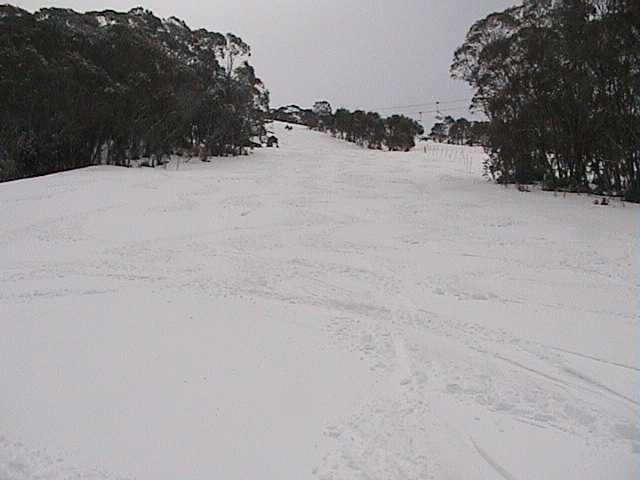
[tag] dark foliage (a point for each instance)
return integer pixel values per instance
(559, 81)
(459, 132)
(367, 129)
(108, 87)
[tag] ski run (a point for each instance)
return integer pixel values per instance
(315, 311)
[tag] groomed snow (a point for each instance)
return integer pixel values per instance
(315, 311)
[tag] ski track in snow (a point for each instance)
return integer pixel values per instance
(315, 311)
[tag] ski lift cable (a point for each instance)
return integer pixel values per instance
(426, 104)
(438, 111)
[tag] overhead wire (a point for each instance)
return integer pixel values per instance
(425, 104)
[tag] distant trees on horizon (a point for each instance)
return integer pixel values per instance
(108, 87)
(460, 131)
(367, 129)
(559, 82)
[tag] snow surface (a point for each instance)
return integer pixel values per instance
(103, 22)
(315, 311)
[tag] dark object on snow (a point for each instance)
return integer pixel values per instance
(604, 202)
(272, 141)
(288, 127)
(523, 188)
(203, 153)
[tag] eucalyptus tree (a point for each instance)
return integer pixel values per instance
(559, 81)
(79, 89)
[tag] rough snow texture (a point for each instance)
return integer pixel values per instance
(315, 311)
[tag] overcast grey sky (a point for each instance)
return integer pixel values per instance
(355, 53)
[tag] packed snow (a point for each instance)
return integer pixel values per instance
(317, 311)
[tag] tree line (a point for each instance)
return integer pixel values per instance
(108, 87)
(367, 129)
(559, 81)
(459, 131)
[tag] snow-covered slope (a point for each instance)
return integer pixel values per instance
(315, 311)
